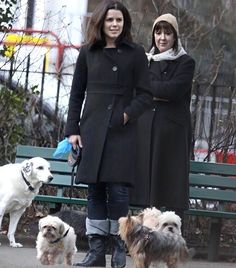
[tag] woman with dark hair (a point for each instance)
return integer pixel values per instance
(165, 130)
(112, 72)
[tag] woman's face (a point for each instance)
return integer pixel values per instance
(164, 39)
(113, 25)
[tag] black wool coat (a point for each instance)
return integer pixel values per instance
(108, 82)
(164, 135)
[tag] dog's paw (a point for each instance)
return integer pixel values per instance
(16, 245)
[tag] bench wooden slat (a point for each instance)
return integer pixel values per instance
(211, 213)
(212, 180)
(63, 180)
(32, 151)
(56, 166)
(213, 168)
(212, 194)
(61, 199)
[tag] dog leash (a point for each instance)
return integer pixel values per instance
(73, 161)
(72, 182)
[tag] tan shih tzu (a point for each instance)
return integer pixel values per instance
(56, 241)
(149, 217)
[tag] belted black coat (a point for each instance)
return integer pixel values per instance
(108, 82)
(164, 134)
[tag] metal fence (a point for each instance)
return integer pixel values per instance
(213, 118)
(37, 60)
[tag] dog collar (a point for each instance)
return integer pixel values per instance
(31, 188)
(60, 238)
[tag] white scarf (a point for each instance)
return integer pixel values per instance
(169, 54)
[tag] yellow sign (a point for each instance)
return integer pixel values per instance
(16, 40)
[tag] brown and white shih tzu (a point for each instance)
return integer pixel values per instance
(148, 247)
(56, 241)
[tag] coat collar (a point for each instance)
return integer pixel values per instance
(121, 43)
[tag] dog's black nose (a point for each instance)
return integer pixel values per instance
(171, 229)
(50, 178)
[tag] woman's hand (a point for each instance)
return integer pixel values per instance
(126, 118)
(75, 140)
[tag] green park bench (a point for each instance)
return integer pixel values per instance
(209, 182)
(212, 182)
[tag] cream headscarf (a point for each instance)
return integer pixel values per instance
(170, 54)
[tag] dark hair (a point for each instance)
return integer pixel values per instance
(95, 27)
(164, 25)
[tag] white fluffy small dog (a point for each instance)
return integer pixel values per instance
(56, 241)
(19, 184)
(168, 221)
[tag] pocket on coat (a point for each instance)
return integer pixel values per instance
(117, 119)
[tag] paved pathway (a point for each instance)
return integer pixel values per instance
(26, 258)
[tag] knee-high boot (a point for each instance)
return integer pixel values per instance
(118, 258)
(97, 231)
(96, 254)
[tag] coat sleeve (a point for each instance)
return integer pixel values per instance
(77, 94)
(143, 97)
(179, 85)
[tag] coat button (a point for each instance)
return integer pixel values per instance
(109, 107)
(165, 72)
(119, 50)
(114, 68)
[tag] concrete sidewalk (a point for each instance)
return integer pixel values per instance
(26, 258)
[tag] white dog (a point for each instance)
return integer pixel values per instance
(19, 184)
(55, 242)
(170, 222)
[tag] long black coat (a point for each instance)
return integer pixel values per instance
(165, 136)
(115, 81)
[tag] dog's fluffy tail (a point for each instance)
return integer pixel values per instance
(186, 253)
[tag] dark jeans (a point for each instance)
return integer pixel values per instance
(107, 201)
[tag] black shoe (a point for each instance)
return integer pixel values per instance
(118, 258)
(96, 254)
(92, 260)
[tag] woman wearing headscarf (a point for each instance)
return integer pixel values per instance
(165, 130)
